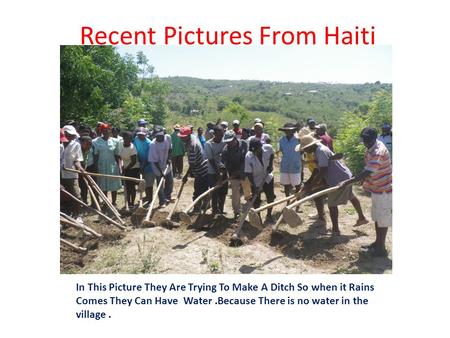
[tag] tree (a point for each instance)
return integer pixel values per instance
(93, 80)
(154, 98)
(348, 140)
(236, 111)
(144, 67)
(221, 104)
(98, 84)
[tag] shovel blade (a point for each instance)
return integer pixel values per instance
(291, 217)
(254, 218)
(138, 216)
(185, 218)
(141, 187)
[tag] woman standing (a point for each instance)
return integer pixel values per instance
(106, 160)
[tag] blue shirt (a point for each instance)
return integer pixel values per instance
(202, 140)
(387, 140)
(291, 161)
(143, 148)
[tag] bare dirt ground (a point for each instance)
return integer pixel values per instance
(204, 247)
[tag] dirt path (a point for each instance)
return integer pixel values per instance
(204, 248)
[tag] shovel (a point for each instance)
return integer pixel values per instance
(147, 223)
(104, 198)
(185, 218)
(292, 218)
(235, 240)
(126, 178)
(253, 214)
(73, 246)
(91, 193)
(166, 221)
(140, 212)
(120, 226)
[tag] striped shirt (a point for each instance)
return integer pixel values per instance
(378, 161)
(196, 158)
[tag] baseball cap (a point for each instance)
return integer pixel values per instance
(142, 122)
(229, 136)
(369, 133)
(258, 124)
(70, 130)
(236, 122)
(184, 132)
(142, 131)
(224, 124)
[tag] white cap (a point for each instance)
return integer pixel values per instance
(70, 130)
(236, 122)
(224, 123)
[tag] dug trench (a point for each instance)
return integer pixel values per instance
(204, 246)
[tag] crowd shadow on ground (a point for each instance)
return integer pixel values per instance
(311, 244)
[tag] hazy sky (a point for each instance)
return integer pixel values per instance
(293, 63)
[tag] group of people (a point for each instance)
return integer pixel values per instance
(241, 159)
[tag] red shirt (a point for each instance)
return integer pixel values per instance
(327, 140)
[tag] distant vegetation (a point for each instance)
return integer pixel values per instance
(293, 101)
(97, 84)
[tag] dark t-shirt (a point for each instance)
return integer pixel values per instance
(234, 159)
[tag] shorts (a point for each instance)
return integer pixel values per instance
(341, 196)
(382, 209)
(149, 179)
(293, 179)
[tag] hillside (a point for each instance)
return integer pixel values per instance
(201, 99)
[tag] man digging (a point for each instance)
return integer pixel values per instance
(233, 156)
(258, 168)
(334, 172)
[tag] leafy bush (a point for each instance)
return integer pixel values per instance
(379, 111)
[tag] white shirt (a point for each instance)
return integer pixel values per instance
(72, 153)
(254, 166)
(126, 153)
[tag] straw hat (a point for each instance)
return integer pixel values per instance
(306, 141)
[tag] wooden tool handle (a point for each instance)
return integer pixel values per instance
(176, 202)
(285, 199)
(313, 196)
(79, 226)
(93, 209)
(150, 208)
(105, 199)
(91, 192)
(72, 246)
(207, 192)
(126, 178)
